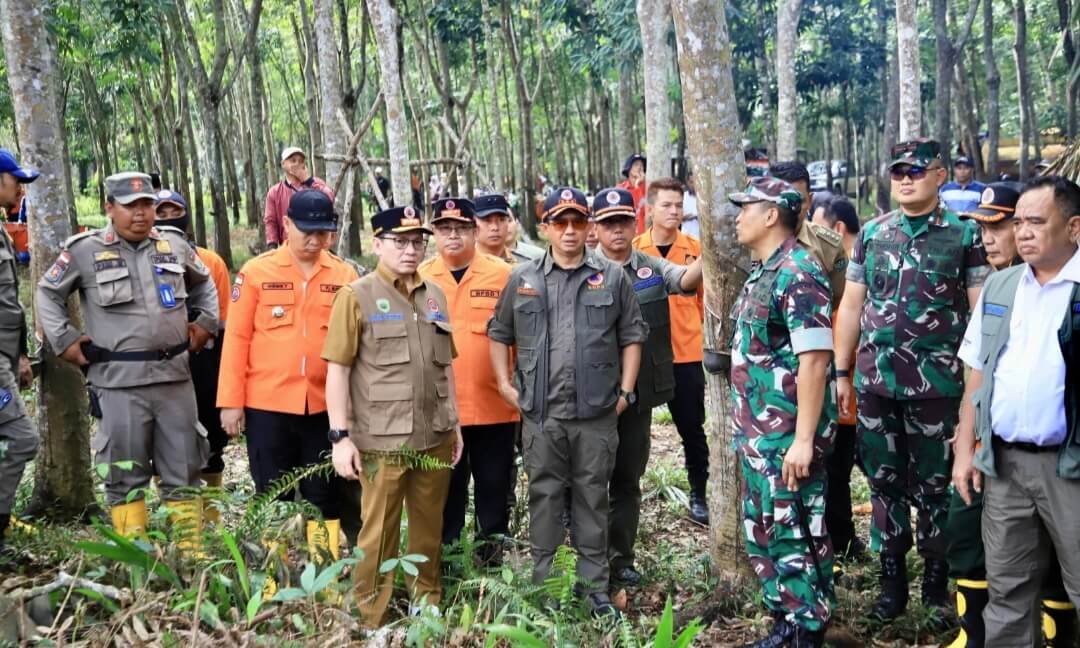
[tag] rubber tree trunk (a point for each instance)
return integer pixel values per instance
(891, 96)
(787, 105)
(625, 144)
(993, 93)
(907, 57)
(333, 135)
(385, 22)
(497, 158)
(654, 18)
(1023, 83)
(62, 486)
(714, 137)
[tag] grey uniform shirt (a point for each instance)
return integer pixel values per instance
(12, 317)
(562, 285)
(124, 289)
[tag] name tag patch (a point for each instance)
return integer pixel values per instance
(163, 258)
(111, 263)
(484, 293)
(329, 288)
(277, 285)
(386, 317)
(996, 310)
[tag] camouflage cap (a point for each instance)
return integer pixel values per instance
(920, 152)
(768, 189)
(125, 188)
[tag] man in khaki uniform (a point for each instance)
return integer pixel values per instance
(389, 388)
(135, 284)
(17, 431)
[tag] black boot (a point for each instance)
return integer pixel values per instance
(1059, 624)
(5, 520)
(893, 598)
(935, 585)
(808, 638)
(782, 632)
(699, 509)
(971, 598)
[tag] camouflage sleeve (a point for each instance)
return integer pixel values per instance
(806, 305)
(856, 265)
(972, 344)
(500, 327)
(976, 267)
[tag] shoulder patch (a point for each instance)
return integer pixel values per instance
(56, 272)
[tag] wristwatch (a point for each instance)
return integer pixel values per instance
(843, 373)
(631, 397)
(336, 435)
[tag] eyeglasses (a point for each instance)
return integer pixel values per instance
(457, 230)
(914, 172)
(417, 244)
(560, 224)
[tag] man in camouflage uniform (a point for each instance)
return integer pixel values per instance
(913, 275)
(784, 413)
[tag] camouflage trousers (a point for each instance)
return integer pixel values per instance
(779, 551)
(904, 449)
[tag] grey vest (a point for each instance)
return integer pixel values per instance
(656, 377)
(998, 296)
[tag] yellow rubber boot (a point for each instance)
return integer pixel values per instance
(1059, 624)
(211, 513)
(270, 586)
(971, 597)
(324, 537)
(186, 517)
(129, 520)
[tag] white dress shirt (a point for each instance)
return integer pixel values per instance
(1028, 403)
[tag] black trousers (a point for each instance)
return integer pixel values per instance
(688, 412)
(838, 492)
(205, 366)
(278, 443)
(487, 458)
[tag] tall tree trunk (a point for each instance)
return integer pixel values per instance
(259, 159)
(764, 68)
(943, 80)
(1023, 83)
(714, 136)
(1069, 30)
(993, 89)
(228, 160)
(787, 34)
(199, 217)
(333, 134)
(891, 95)
(385, 22)
(625, 144)
(62, 485)
(907, 57)
(655, 20)
(311, 91)
(497, 158)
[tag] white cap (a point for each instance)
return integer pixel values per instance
(291, 151)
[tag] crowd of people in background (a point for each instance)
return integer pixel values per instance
(848, 343)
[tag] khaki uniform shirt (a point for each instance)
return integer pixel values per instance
(125, 291)
(12, 317)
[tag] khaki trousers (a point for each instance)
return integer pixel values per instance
(382, 495)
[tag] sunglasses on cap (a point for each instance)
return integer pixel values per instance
(916, 173)
(560, 223)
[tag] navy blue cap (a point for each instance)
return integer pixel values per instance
(168, 196)
(491, 204)
(563, 199)
(997, 202)
(612, 202)
(312, 211)
(8, 164)
(630, 162)
(397, 220)
(459, 209)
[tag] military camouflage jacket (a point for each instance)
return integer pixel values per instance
(784, 309)
(916, 272)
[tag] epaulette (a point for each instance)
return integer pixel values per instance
(172, 229)
(824, 233)
(78, 237)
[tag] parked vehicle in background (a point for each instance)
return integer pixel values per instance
(841, 183)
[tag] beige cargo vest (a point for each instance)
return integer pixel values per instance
(399, 387)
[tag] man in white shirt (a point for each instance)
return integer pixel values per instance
(1024, 337)
(690, 224)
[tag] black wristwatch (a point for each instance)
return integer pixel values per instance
(631, 397)
(843, 373)
(337, 435)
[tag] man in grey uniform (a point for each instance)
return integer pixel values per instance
(578, 331)
(653, 279)
(17, 431)
(135, 284)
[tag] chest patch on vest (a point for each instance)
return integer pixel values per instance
(386, 317)
(329, 288)
(997, 310)
(648, 283)
(596, 280)
(277, 285)
(485, 293)
(644, 273)
(527, 290)
(1076, 307)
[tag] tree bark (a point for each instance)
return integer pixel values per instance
(62, 485)
(497, 158)
(1023, 83)
(331, 98)
(655, 20)
(625, 145)
(891, 95)
(907, 57)
(311, 91)
(765, 69)
(948, 53)
(385, 22)
(526, 98)
(993, 90)
(787, 33)
(714, 136)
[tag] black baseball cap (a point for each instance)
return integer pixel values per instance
(565, 199)
(962, 160)
(312, 211)
(492, 204)
(459, 209)
(613, 202)
(630, 162)
(398, 220)
(998, 202)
